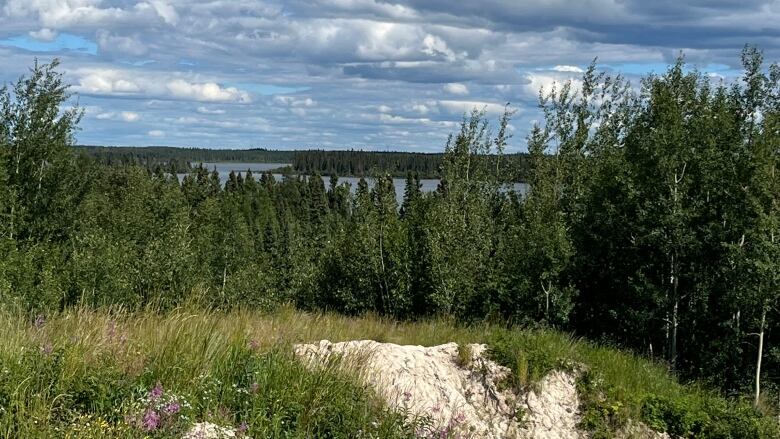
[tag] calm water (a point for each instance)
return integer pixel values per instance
(224, 169)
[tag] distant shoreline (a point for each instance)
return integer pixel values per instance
(346, 163)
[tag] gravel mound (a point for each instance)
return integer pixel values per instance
(458, 395)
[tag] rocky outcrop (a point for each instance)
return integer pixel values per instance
(457, 393)
(207, 430)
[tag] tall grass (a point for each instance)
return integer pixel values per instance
(113, 374)
(95, 373)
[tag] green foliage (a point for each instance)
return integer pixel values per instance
(602, 405)
(464, 355)
(98, 380)
(712, 418)
(651, 221)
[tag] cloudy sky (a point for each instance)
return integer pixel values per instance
(376, 74)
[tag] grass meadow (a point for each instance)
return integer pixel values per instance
(110, 373)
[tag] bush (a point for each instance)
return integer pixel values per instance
(711, 418)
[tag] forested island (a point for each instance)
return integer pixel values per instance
(348, 163)
(652, 224)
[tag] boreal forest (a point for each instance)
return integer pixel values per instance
(652, 223)
(350, 163)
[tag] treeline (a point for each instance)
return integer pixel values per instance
(396, 164)
(351, 163)
(364, 163)
(180, 159)
(653, 221)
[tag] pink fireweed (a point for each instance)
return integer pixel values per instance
(156, 392)
(150, 421)
(172, 408)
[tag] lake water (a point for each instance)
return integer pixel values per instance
(224, 169)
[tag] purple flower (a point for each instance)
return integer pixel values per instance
(407, 396)
(242, 428)
(253, 344)
(254, 387)
(40, 320)
(156, 392)
(172, 408)
(150, 421)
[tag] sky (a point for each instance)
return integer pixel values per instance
(363, 74)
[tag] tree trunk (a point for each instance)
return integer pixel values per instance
(547, 300)
(383, 281)
(673, 322)
(673, 348)
(760, 354)
(224, 281)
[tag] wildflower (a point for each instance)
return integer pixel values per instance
(242, 428)
(150, 421)
(407, 396)
(172, 408)
(253, 344)
(156, 392)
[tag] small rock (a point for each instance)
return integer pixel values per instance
(207, 430)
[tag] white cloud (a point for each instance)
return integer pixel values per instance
(106, 81)
(421, 64)
(461, 107)
(419, 108)
(156, 133)
(129, 116)
(122, 83)
(569, 69)
(456, 89)
(165, 11)
(295, 101)
(435, 46)
(546, 82)
(205, 110)
(109, 42)
(206, 92)
(61, 14)
(44, 34)
(125, 116)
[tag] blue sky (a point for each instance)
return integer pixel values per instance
(372, 74)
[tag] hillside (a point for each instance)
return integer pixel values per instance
(111, 374)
